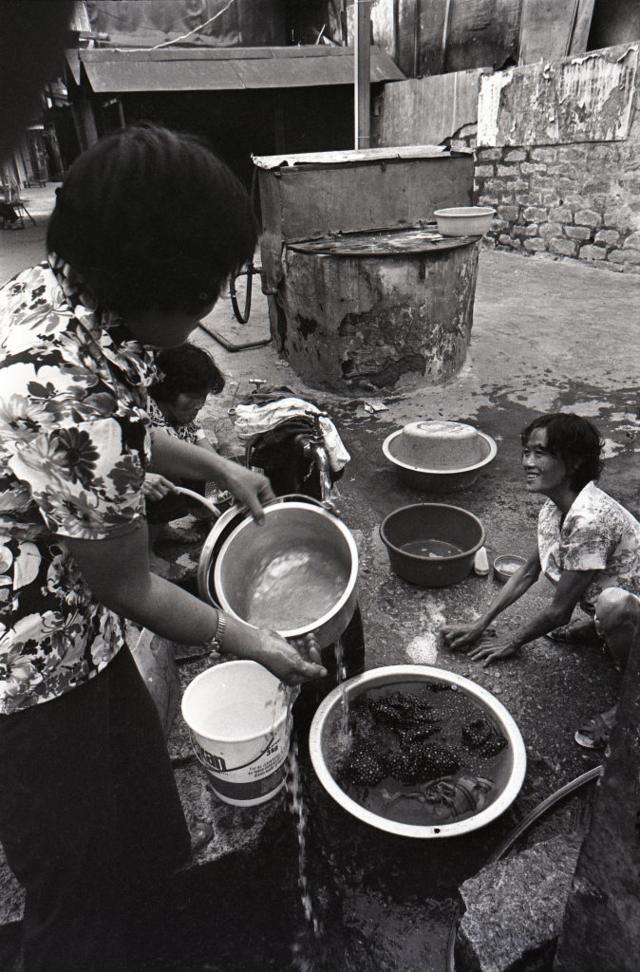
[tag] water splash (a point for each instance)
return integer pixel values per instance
(341, 674)
(298, 810)
(423, 648)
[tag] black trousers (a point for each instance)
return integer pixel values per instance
(90, 819)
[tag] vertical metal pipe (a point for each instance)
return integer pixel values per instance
(362, 74)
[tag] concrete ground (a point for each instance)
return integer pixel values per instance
(547, 336)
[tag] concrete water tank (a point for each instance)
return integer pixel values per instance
(378, 310)
(361, 287)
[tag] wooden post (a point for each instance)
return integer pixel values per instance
(121, 118)
(362, 72)
(601, 928)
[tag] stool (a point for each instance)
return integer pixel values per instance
(22, 211)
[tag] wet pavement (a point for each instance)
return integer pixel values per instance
(547, 336)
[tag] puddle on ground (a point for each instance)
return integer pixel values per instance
(423, 649)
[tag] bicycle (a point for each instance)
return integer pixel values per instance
(241, 301)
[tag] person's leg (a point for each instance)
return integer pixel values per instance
(56, 825)
(617, 621)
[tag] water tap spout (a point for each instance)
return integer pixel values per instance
(315, 453)
(321, 460)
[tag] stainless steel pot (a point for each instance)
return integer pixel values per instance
(236, 547)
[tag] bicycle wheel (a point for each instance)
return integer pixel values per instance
(240, 290)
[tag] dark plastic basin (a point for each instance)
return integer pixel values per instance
(432, 521)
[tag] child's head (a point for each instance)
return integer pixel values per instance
(189, 374)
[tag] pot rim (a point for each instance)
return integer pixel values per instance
(210, 550)
(493, 450)
(432, 560)
(394, 673)
(317, 511)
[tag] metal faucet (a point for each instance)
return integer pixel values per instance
(313, 448)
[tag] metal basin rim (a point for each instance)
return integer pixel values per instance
(377, 676)
(493, 449)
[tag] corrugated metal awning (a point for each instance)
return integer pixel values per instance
(231, 69)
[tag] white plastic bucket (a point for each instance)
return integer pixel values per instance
(237, 714)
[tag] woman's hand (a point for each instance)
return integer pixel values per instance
(155, 486)
(250, 489)
(291, 663)
(178, 459)
(286, 661)
(488, 654)
(457, 637)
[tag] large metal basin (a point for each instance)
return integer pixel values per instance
(327, 720)
(249, 549)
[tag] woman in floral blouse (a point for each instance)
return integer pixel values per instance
(588, 547)
(146, 230)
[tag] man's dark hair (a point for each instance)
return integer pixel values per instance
(573, 439)
(188, 370)
(152, 220)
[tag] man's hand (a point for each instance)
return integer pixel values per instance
(490, 653)
(250, 489)
(458, 637)
(155, 486)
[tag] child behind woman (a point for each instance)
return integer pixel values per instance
(188, 375)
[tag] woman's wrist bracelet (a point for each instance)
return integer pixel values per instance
(216, 643)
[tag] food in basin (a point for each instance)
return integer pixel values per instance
(422, 755)
(417, 751)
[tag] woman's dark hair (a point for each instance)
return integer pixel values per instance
(186, 370)
(573, 439)
(153, 221)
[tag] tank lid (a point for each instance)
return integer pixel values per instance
(424, 239)
(385, 154)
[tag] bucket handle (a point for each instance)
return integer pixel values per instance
(195, 746)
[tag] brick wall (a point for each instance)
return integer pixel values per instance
(580, 201)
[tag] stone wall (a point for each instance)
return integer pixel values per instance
(580, 200)
(559, 158)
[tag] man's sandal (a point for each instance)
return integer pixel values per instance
(580, 634)
(595, 733)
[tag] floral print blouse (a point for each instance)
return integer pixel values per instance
(597, 534)
(74, 444)
(191, 432)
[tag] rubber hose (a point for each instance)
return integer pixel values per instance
(537, 812)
